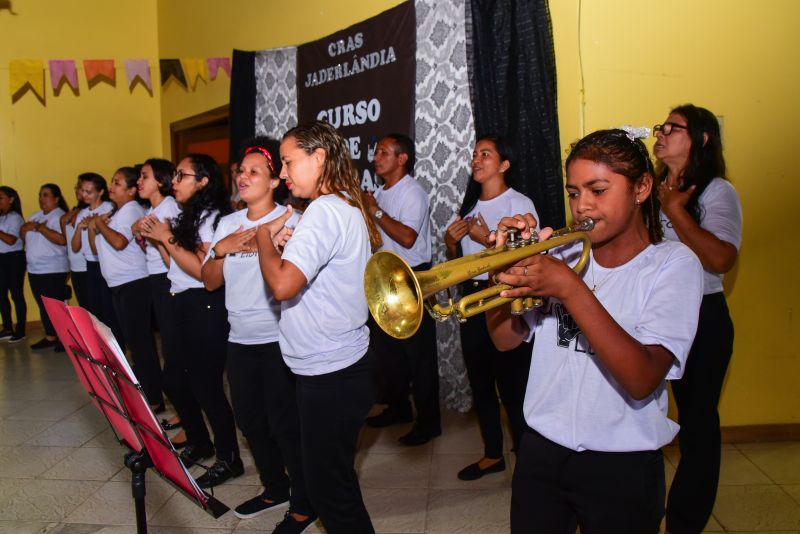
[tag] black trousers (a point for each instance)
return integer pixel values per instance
(556, 489)
(202, 331)
(491, 371)
(99, 301)
(410, 366)
(332, 409)
(132, 304)
(53, 285)
(694, 488)
(265, 405)
(80, 286)
(12, 280)
(173, 374)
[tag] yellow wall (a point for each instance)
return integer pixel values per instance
(99, 130)
(626, 61)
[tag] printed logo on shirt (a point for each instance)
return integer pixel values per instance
(569, 331)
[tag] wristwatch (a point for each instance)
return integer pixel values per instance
(378, 214)
(212, 254)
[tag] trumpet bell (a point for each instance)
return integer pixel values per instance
(393, 294)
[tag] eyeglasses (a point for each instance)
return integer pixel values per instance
(180, 175)
(667, 127)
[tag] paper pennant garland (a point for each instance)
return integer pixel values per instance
(24, 71)
(215, 63)
(63, 68)
(95, 68)
(172, 68)
(195, 68)
(138, 68)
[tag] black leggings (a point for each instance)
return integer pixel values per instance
(491, 371)
(694, 488)
(12, 280)
(53, 285)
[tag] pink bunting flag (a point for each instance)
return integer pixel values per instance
(63, 68)
(140, 68)
(215, 63)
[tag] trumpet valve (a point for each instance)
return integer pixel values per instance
(518, 306)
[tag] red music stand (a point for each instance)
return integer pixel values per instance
(104, 371)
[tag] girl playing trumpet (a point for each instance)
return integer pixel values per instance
(606, 341)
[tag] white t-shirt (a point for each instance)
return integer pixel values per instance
(181, 281)
(407, 202)
(42, 255)
(86, 247)
(10, 223)
(720, 214)
(168, 209)
(506, 204)
(129, 264)
(252, 311)
(323, 328)
(571, 398)
(77, 263)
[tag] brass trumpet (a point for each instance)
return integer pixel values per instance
(396, 295)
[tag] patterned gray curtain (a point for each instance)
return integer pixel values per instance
(444, 140)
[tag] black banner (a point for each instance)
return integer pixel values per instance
(361, 80)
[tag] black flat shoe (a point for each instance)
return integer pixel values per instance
(417, 437)
(474, 472)
(192, 454)
(166, 425)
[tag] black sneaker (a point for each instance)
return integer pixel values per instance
(221, 472)
(16, 338)
(258, 505)
(42, 344)
(194, 453)
(290, 525)
(6, 334)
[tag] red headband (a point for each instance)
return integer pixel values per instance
(264, 152)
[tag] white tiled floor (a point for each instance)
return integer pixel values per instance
(61, 471)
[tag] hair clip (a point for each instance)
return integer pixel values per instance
(633, 133)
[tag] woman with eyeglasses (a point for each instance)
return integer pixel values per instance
(700, 208)
(201, 318)
(94, 191)
(12, 265)
(123, 264)
(77, 263)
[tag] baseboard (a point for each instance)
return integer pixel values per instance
(761, 433)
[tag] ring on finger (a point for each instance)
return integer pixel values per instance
(525, 271)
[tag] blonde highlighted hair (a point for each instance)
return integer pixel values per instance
(339, 175)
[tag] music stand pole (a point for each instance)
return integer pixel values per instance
(138, 462)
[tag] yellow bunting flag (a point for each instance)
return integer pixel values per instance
(26, 71)
(195, 68)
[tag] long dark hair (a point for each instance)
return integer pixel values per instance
(473, 192)
(10, 192)
(706, 161)
(339, 175)
(98, 181)
(163, 171)
(211, 198)
(56, 191)
(615, 150)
